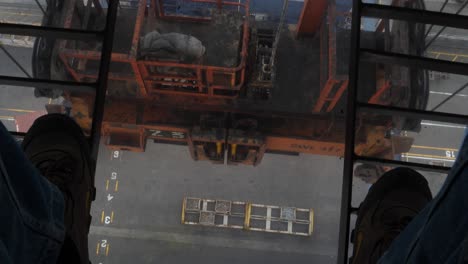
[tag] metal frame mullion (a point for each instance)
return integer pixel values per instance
(399, 163)
(104, 67)
(414, 15)
(98, 88)
(357, 54)
(346, 190)
(50, 32)
(17, 134)
(413, 113)
(88, 88)
(412, 61)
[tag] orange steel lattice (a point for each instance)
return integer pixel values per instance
(204, 80)
(210, 124)
(335, 84)
(311, 16)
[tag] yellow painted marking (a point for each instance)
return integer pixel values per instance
(219, 147)
(448, 54)
(116, 186)
(107, 250)
(233, 150)
(112, 216)
(456, 57)
(20, 14)
(182, 217)
(102, 217)
(97, 249)
(17, 110)
(427, 156)
(434, 148)
(248, 211)
(107, 185)
(438, 54)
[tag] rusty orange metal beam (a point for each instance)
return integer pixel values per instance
(143, 76)
(92, 55)
(304, 146)
(139, 79)
(138, 133)
(375, 98)
(338, 95)
(311, 16)
(324, 95)
(138, 24)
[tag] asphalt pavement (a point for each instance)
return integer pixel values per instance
(143, 215)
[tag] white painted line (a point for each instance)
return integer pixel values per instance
(7, 118)
(205, 205)
(442, 125)
(272, 245)
(225, 220)
(447, 36)
(290, 227)
(425, 158)
(268, 217)
(448, 94)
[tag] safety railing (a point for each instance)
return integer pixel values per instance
(333, 82)
(199, 79)
(157, 76)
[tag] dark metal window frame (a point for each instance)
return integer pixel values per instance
(399, 13)
(98, 88)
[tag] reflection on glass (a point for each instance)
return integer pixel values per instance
(365, 175)
(237, 101)
(444, 6)
(425, 141)
(20, 106)
(82, 14)
(24, 12)
(413, 88)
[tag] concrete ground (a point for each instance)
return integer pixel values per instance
(147, 207)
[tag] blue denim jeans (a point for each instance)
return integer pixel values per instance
(32, 226)
(439, 233)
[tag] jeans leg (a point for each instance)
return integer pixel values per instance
(32, 226)
(439, 232)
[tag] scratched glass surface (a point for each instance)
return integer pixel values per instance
(55, 13)
(229, 148)
(224, 144)
(434, 90)
(449, 7)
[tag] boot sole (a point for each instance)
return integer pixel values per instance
(59, 122)
(396, 179)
